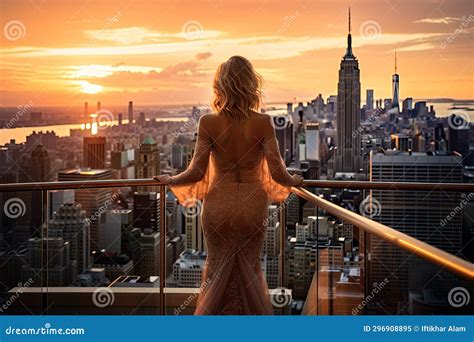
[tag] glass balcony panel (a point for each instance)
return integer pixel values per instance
(98, 251)
(24, 259)
(400, 282)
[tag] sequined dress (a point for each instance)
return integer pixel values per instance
(234, 214)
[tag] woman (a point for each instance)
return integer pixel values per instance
(237, 169)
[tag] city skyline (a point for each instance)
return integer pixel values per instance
(158, 53)
(106, 184)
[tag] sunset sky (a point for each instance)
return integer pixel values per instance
(165, 52)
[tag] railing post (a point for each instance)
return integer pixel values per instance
(162, 248)
(317, 260)
(44, 251)
(366, 268)
(282, 243)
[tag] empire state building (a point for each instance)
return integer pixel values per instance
(348, 155)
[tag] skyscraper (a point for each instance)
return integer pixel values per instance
(284, 130)
(395, 86)
(148, 164)
(312, 141)
(112, 224)
(92, 200)
(146, 211)
(34, 168)
(458, 134)
(149, 264)
(193, 232)
(94, 152)
(407, 103)
(419, 214)
(69, 223)
(348, 157)
(141, 118)
(271, 248)
(59, 270)
(130, 112)
(369, 99)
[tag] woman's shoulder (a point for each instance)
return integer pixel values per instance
(260, 118)
(207, 119)
(262, 121)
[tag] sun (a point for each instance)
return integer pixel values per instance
(89, 88)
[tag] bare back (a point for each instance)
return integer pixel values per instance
(236, 141)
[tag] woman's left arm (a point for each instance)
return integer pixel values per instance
(199, 164)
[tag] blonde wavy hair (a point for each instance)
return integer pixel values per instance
(237, 88)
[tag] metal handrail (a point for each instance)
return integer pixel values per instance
(118, 183)
(458, 187)
(404, 241)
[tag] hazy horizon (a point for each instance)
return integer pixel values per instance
(163, 53)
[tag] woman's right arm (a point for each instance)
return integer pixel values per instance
(200, 162)
(275, 162)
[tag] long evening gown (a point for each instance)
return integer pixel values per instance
(234, 214)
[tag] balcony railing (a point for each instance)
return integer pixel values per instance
(366, 226)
